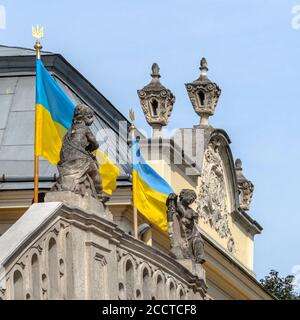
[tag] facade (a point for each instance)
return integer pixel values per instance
(42, 245)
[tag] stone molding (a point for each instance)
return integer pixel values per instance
(73, 254)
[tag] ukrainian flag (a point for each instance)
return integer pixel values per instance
(54, 115)
(150, 190)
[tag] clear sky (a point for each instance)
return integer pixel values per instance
(253, 54)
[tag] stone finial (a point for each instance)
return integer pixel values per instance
(155, 71)
(238, 164)
(204, 94)
(203, 67)
(245, 186)
(156, 102)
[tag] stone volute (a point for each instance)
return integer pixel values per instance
(157, 102)
(204, 94)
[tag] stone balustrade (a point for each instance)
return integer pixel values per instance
(55, 251)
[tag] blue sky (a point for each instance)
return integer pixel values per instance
(253, 54)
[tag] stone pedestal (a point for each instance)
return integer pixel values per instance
(88, 204)
(194, 268)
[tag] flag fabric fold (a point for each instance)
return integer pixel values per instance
(150, 190)
(54, 115)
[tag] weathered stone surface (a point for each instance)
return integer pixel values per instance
(193, 267)
(204, 94)
(88, 204)
(68, 253)
(156, 102)
(245, 186)
(78, 167)
(212, 202)
(185, 238)
(34, 217)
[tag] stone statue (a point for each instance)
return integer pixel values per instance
(186, 240)
(78, 166)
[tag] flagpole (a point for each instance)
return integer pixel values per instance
(135, 214)
(37, 32)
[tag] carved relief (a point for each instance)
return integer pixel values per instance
(246, 190)
(138, 276)
(212, 197)
(245, 186)
(146, 280)
(231, 245)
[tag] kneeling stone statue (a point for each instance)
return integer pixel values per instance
(186, 240)
(78, 167)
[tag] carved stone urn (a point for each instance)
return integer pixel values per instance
(156, 102)
(203, 94)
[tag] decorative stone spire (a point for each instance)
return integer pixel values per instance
(203, 94)
(157, 102)
(245, 186)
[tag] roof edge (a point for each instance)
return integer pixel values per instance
(23, 65)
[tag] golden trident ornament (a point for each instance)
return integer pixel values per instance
(132, 118)
(38, 34)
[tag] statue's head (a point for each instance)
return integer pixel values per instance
(83, 113)
(187, 196)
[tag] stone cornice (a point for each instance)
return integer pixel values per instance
(44, 220)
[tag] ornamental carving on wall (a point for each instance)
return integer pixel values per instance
(212, 196)
(163, 102)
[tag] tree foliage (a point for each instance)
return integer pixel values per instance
(281, 288)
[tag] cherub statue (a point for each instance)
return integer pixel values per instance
(78, 167)
(186, 240)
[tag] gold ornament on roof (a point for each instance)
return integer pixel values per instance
(132, 118)
(38, 32)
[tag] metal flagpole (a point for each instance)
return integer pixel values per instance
(37, 33)
(132, 137)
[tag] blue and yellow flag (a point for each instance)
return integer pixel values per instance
(54, 115)
(150, 190)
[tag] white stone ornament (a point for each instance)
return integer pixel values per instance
(157, 102)
(212, 197)
(204, 94)
(245, 187)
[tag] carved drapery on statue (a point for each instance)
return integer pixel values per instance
(185, 238)
(212, 202)
(78, 168)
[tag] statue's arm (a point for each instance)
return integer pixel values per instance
(180, 209)
(93, 144)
